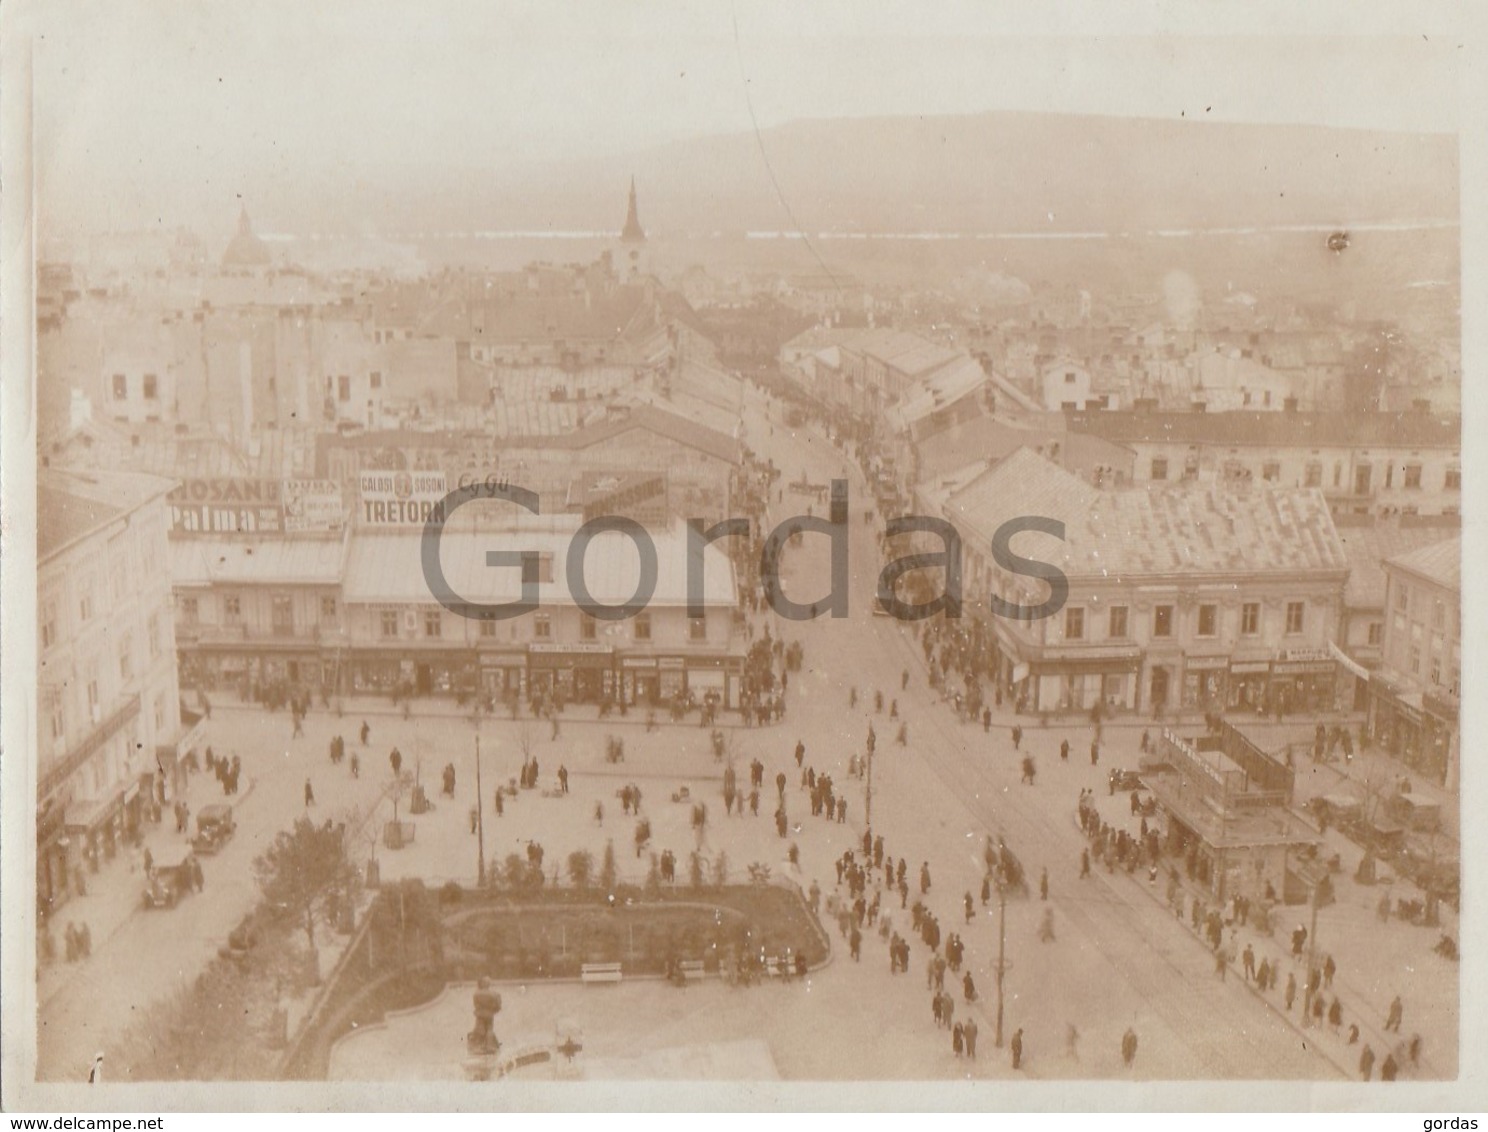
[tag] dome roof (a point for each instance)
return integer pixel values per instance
(245, 249)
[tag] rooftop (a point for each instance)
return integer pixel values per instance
(71, 505)
(1178, 529)
(1367, 548)
(1439, 562)
(387, 568)
(301, 561)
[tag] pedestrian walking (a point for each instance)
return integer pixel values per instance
(1095, 752)
(968, 987)
(1330, 969)
(904, 680)
(957, 1039)
(1064, 750)
(1084, 863)
(1017, 737)
(1129, 1047)
(1291, 989)
(95, 1074)
(1016, 1046)
(970, 908)
(395, 760)
(1044, 884)
(925, 878)
(1250, 967)
(1335, 1015)
(1389, 1068)
(1366, 1063)
(1396, 1015)
(969, 1035)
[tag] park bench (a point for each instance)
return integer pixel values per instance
(691, 969)
(600, 973)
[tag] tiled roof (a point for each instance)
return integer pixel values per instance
(1181, 529)
(387, 568)
(942, 388)
(1439, 562)
(70, 506)
(1275, 429)
(604, 317)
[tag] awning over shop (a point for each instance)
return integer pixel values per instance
(1348, 662)
(86, 815)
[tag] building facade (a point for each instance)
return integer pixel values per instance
(109, 728)
(1185, 599)
(1416, 692)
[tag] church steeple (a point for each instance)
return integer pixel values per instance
(632, 233)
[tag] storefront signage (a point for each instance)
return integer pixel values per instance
(1020, 673)
(576, 646)
(671, 662)
(638, 662)
(1251, 667)
(1298, 655)
(400, 499)
(313, 505)
(1206, 663)
(1302, 669)
(222, 505)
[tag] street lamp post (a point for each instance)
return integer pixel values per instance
(480, 820)
(869, 805)
(1002, 963)
(1311, 960)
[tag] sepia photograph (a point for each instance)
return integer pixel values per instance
(735, 555)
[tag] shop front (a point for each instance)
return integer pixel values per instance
(1303, 682)
(1084, 682)
(582, 672)
(1247, 685)
(1205, 682)
(503, 675)
(715, 679)
(1405, 726)
(671, 672)
(639, 680)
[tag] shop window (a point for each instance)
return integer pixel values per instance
(389, 624)
(1250, 618)
(1436, 670)
(697, 629)
(1074, 624)
(1117, 621)
(85, 606)
(433, 623)
(59, 722)
(1376, 632)
(542, 626)
(1162, 621)
(1295, 611)
(1414, 660)
(1159, 469)
(643, 627)
(1389, 475)
(1438, 615)
(376, 380)
(93, 700)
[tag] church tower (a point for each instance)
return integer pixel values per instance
(632, 240)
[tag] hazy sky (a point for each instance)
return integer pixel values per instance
(168, 109)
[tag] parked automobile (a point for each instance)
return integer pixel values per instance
(1121, 780)
(172, 876)
(214, 827)
(1415, 811)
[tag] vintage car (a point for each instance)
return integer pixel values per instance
(1121, 780)
(172, 876)
(214, 827)
(1415, 812)
(1336, 809)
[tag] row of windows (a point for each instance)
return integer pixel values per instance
(149, 387)
(1163, 621)
(1313, 475)
(542, 626)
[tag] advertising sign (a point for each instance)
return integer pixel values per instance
(313, 505)
(226, 505)
(400, 499)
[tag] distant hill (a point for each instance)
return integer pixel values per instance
(999, 172)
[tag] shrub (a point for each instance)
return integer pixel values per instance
(580, 868)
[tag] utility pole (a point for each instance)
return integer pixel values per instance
(480, 820)
(1311, 960)
(869, 806)
(1002, 964)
